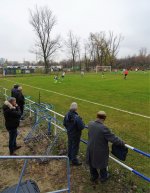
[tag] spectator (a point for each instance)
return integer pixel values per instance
(97, 150)
(20, 100)
(14, 91)
(74, 126)
(12, 116)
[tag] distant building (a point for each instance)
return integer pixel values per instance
(56, 68)
(2, 61)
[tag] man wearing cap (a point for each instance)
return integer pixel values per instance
(12, 116)
(97, 150)
(74, 126)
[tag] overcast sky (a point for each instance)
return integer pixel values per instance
(131, 18)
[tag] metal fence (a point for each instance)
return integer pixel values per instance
(55, 120)
(26, 158)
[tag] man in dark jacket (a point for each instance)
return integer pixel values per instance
(97, 150)
(12, 116)
(20, 100)
(74, 126)
(14, 91)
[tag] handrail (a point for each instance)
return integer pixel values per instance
(120, 163)
(138, 151)
(125, 166)
(128, 146)
(117, 161)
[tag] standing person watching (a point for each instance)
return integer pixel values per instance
(20, 100)
(97, 150)
(12, 116)
(74, 126)
(14, 90)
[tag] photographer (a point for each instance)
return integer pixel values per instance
(12, 115)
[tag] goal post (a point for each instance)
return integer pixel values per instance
(103, 69)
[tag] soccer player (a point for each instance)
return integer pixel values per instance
(102, 74)
(63, 75)
(55, 79)
(82, 73)
(125, 74)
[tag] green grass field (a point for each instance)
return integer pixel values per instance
(131, 95)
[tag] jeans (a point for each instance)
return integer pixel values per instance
(73, 148)
(12, 139)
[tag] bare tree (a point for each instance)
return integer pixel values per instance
(79, 56)
(103, 48)
(113, 44)
(72, 43)
(99, 47)
(143, 56)
(143, 52)
(43, 22)
(86, 57)
(88, 54)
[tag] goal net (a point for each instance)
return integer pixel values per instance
(103, 69)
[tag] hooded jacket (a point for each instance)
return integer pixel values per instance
(12, 115)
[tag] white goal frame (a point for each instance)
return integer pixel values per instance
(103, 69)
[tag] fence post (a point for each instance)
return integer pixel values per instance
(68, 174)
(49, 127)
(55, 127)
(36, 115)
(22, 173)
(30, 108)
(5, 93)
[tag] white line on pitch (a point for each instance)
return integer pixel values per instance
(84, 100)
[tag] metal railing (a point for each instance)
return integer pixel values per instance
(26, 158)
(56, 126)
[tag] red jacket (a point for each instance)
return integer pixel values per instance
(126, 72)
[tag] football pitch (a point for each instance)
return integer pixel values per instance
(126, 102)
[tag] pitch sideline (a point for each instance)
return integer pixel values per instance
(84, 100)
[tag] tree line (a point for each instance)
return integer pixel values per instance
(100, 48)
(140, 61)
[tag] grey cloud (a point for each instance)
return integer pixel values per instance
(128, 17)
